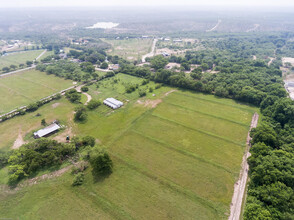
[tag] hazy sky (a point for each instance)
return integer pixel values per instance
(86, 3)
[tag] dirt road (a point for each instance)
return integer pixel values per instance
(151, 54)
(17, 71)
(215, 27)
(89, 98)
(240, 185)
(254, 28)
(41, 54)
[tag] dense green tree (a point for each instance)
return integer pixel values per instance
(80, 113)
(158, 62)
(100, 161)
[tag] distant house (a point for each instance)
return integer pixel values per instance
(145, 36)
(63, 56)
(114, 67)
(166, 39)
(165, 54)
(47, 131)
(113, 103)
(177, 40)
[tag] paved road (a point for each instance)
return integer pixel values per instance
(215, 27)
(41, 54)
(240, 185)
(151, 54)
(17, 71)
(28, 68)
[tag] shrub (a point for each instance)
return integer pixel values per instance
(130, 88)
(73, 96)
(142, 92)
(93, 104)
(100, 161)
(78, 179)
(158, 86)
(150, 89)
(104, 65)
(145, 81)
(88, 141)
(85, 89)
(32, 107)
(81, 113)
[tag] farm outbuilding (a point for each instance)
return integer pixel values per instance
(47, 131)
(113, 103)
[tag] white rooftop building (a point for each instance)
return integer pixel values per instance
(46, 131)
(113, 103)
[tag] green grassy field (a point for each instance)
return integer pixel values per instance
(20, 58)
(176, 158)
(131, 49)
(27, 87)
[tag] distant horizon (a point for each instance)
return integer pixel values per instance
(154, 3)
(160, 7)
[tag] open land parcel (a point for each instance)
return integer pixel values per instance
(176, 154)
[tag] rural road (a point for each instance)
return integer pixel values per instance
(17, 71)
(41, 54)
(28, 68)
(254, 28)
(89, 98)
(151, 54)
(215, 27)
(240, 185)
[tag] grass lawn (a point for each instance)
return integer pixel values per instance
(20, 58)
(177, 160)
(27, 87)
(131, 49)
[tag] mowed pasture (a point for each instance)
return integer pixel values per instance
(172, 160)
(130, 49)
(26, 87)
(20, 58)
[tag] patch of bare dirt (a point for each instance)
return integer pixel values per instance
(55, 105)
(169, 92)
(149, 103)
(288, 60)
(62, 137)
(19, 141)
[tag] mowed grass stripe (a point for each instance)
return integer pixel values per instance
(205, 180)
(15, 92)
(199, 130)
(215, 210)
(215, 109)
(212, 149)
(37, 83)
(184, 152)
(105, 204)
(222, 128)
(196, 96)
(207, 114)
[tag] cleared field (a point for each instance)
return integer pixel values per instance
(26, 87)
(177, 160)
(19, 58)
(131, 49)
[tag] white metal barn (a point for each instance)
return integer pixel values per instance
(113, 103)
(47, 131)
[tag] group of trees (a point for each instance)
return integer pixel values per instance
(45, 153)
(69, 70)
(13, 67)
